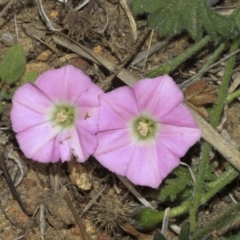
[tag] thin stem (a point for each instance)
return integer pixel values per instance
(205, 67)
(232, 96)
(206, 147)
(171, 65)
(223, 220)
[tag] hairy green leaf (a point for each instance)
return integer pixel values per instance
(29, 77)
(174, 186)
(180, 186)
(174, 16)
(185, 231)
(13, 65)
(7, 92)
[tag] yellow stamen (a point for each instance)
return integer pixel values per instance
(143, 128)
(60, 117)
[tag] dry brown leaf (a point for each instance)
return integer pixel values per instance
(199, 94)
(195, 89)
(203, 99)
(200, 110)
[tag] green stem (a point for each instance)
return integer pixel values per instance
(222, 221)
(148, 217)
(210, 61)
(205, 67)
(232, 96)
(171, 65)
(206, 147)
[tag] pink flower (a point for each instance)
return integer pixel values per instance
(144, 130)
(57, 116)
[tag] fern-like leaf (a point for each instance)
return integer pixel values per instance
(174, 186)
(173, 16)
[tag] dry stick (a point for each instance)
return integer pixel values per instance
(124, 75)
(185, 83)
(149, 45)
(10, 182)
(133, 25)
(74, 213)
(6, 7)
(217, 141)
(208, 133)
(130, 187)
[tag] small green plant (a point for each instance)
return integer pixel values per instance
(13, 65)
(174, 16)
(183, 190)
(12, 68)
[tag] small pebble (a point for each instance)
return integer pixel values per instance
(8, 39)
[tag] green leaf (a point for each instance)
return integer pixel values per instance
(174, 16)
(29, 77)
(158, 236)
(185, 231)
(13, 65)
(174, 186)
(7, 92)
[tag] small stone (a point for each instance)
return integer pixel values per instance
(78, 175)
(43, 56)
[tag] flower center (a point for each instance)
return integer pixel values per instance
(64, 115)
(61, 117)
(144, 128)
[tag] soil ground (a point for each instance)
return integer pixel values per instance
(104, 27)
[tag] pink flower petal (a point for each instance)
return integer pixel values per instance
(157, 96)
(108, 119)
(67, 144)
(179, 116)
(36, 142)
(33, 98)
(88, 119)
(117, 108)
(112, 140)
(80, 144)
(167, 160)
(113, 150)
(46, 154)
(89, 98)
(144, 166)
(65, 84)
(117, 159)
(24, 118)
(88, 142)
(178, 139)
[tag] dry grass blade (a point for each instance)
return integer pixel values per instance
(126, 76)
(7, 7)
(133, 25)
(75, 215)
(217, 141)
(130, 187)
